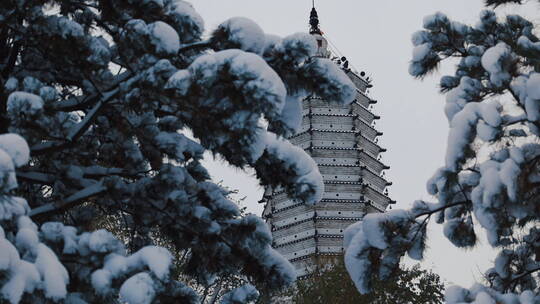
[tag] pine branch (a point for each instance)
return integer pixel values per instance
(428, 217)
(444, 207)
(102, 171)
(47, 146)
(78, 130)
(12, 59)
(196, 45)
(99, 171)
(81, 127)
(36, 177)
(520, 276)
(82, 102)
(74, 199)
(512, 120)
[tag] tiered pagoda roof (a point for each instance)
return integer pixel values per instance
(343, 142)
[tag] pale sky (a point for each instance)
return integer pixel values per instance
(375, 37)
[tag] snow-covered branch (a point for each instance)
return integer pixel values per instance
(491, 166)
(76, 198)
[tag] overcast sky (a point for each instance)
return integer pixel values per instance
(375, 37)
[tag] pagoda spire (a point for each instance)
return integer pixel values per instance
(314, 21)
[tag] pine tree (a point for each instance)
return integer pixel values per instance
(103, 95)
(490, 176)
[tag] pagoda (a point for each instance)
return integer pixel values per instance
(343, 142)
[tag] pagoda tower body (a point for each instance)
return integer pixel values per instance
(343, 142)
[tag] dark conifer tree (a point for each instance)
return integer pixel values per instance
(103, 95)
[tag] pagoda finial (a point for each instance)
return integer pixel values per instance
(314, 20)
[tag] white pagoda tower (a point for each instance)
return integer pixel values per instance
(343, 142)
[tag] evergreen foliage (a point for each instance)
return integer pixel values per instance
(208, 293)
(333, 285)
(103, 95)
(490, 176)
